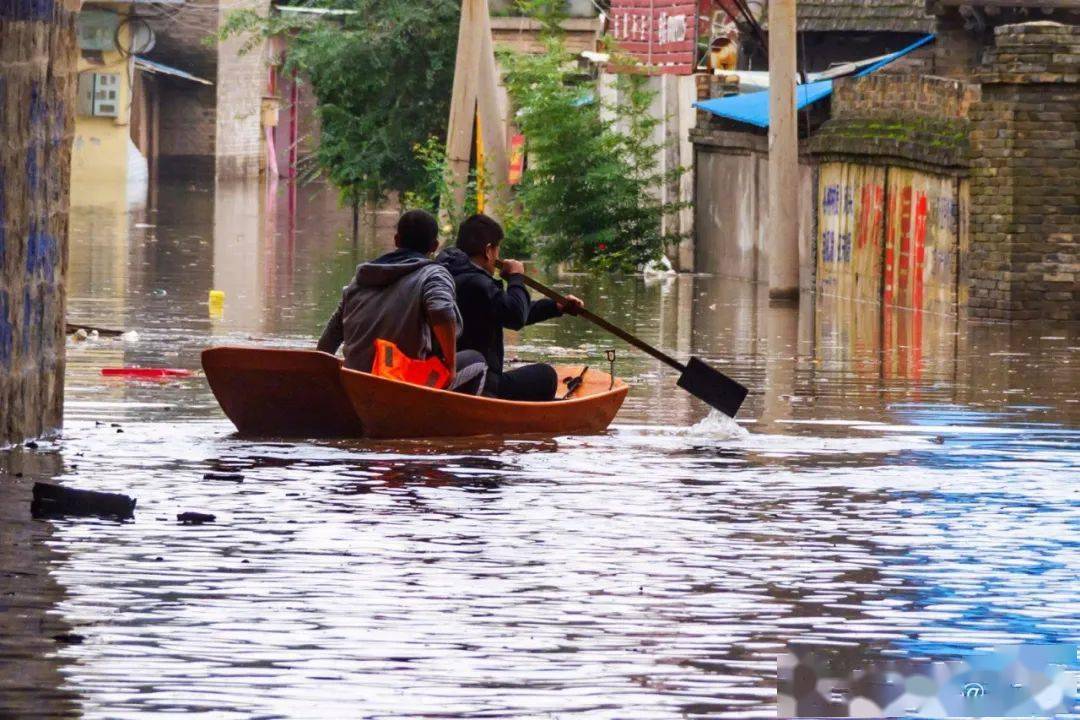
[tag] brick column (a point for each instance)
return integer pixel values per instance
(240, 87)
(37, 91)
(1025, 186)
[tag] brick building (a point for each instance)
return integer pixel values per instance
(217, 128)
(957, 163)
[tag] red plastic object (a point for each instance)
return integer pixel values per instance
(146, 373)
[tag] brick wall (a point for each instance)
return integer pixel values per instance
(210, 128)
(882, 94)
(957, 49)
(914, 121)
(37, 91)
(188, 111)
(242, 81)
(1025, 186)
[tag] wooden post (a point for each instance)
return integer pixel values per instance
(782, 233)
(476, 85)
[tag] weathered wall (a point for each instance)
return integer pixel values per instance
(731, 207)
(891, 190)
(208, 129)
(242, 81)
(1025, 188)
(38, 55)
(188, 123)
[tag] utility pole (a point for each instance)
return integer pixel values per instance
(782, 233)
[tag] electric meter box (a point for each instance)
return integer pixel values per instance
(97, 29)
(99, 94)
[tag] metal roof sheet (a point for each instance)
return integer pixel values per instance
(753, 108)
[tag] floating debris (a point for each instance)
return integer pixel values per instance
(54, 501)
(228, 477)
(195, 518)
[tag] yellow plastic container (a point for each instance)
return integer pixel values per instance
(216, 303)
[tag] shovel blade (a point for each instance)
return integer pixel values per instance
(712, 386)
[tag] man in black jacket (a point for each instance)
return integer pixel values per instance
(486, 308)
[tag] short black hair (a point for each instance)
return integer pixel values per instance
(417, 230)
(477, 233)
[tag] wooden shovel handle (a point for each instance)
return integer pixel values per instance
(613, 329)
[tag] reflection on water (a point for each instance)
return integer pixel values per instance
(32, 684)
(907, 485)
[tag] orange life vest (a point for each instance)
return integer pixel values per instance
(391, 363)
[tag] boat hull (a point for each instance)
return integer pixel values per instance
(391, 409)
(271, 392)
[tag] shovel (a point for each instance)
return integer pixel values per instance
(696, 378)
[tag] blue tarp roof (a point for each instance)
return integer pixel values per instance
(753, 108)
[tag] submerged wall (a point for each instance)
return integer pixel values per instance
(38, 55)
(731, 207)
(892, 191)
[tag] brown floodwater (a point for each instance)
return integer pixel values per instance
(906, 486)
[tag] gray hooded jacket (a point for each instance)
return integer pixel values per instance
(394, 297)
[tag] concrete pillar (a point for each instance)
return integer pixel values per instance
(38, 55)
(783, 228)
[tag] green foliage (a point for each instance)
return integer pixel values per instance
(382, 76)
(590, 193)
(434, 191)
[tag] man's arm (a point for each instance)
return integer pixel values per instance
(543, 309)
(446, 334)
(515, 309)
(334, 332)
(511, 306)
(442, 315)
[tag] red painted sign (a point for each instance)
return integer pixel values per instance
(517, 159)
(660, 34)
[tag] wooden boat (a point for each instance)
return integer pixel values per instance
(306, 393)
(281, 393)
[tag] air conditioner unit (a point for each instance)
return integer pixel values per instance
(99, 94)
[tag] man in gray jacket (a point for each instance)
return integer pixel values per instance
(408, 299)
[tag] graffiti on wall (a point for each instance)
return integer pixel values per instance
(35, 157)
(888, 234)
(850, 210)
(922, 238)
(891, 236)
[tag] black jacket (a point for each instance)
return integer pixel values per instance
(486, 308)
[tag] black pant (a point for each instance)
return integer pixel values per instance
(532, 383)
(472, 373)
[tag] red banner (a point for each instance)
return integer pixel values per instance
(517, 159)
(660, 34)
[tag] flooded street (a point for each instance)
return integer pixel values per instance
(900, 487)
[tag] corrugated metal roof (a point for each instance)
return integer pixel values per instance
(753, 108)
(157, 68)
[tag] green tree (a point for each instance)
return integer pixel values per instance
(382, 75)
(591, 192)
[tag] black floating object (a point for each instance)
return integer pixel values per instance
(228, 477)
(56, 501)
(195, 518)
(69, 638)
